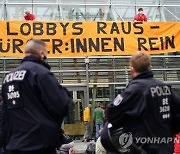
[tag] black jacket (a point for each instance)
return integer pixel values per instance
(34, 104)
(145, 109)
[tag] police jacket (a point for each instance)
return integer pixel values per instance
(145, 110)
(34, 106)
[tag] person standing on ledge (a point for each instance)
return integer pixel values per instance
(140, 16)
(29, 16)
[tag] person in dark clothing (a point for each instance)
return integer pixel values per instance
(34, 105)
(145, 110)
(1, 149)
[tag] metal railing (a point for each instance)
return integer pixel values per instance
(123, 10)
(103, 71)
(110, 72)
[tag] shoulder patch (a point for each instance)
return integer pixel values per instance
(118, 100)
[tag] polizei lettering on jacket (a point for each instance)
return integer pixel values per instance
(160, 91)
(15, 76)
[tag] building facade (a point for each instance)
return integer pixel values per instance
(96, 78)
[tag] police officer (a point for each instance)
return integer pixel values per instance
(142, 115)
(34, 104)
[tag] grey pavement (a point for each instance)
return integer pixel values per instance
(80, 147)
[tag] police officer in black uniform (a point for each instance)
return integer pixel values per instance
(34, 105)
(140, 120)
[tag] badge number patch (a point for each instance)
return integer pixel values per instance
(118, 100)
(13, 96)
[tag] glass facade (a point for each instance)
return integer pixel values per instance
(93, 10)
